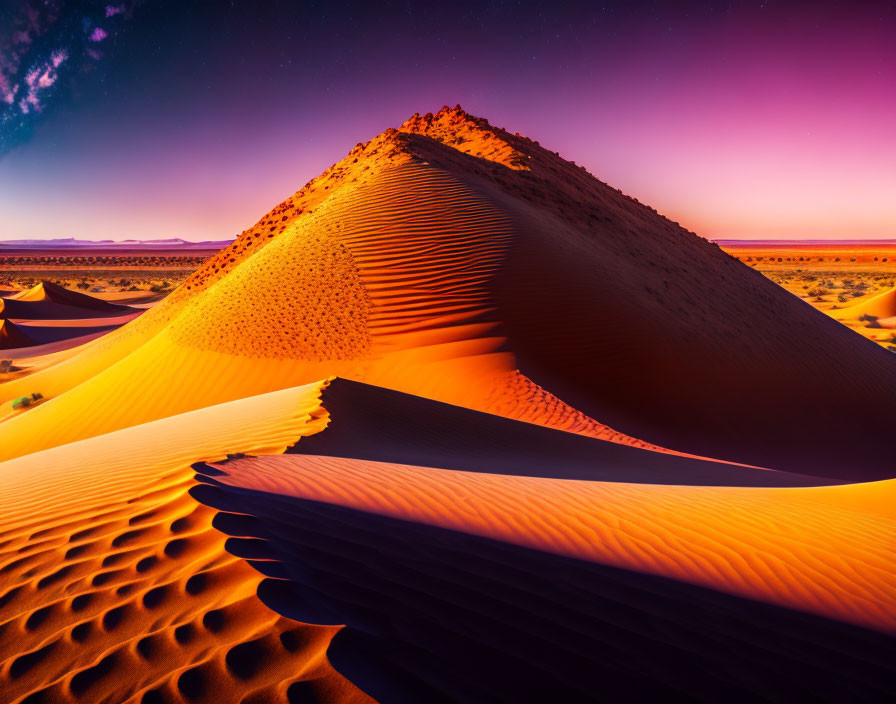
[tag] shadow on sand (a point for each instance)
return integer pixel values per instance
(435, 615)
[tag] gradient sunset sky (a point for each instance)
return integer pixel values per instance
(158, 119)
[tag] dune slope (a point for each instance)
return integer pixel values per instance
(473, 619)
(115, 587)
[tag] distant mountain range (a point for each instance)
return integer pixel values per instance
(73, 243)
(802, 242)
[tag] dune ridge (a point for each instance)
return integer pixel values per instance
(807, 555)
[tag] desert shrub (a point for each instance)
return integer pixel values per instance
(25, 401)
(21, 402)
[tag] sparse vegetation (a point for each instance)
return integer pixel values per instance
(831, 279)
(26, 401)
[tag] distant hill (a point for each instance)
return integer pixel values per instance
(804, 242)
(73, 243)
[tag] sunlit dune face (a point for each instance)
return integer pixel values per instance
(798, 548)
(435, 261)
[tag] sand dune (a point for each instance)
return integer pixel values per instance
(48, 292)
(37, 335)
(574, 451)
(440, 570)
(452, 260)
(114, 584)
(575, 496)
(13, 336)
(48, 301)
(878, 311)
(444, 615)
(372, 423)
(809, 556)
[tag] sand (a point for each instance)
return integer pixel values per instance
(573, 448)
(115, 584)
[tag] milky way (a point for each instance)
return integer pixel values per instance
(43, 46)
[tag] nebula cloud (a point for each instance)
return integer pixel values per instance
(44, 44)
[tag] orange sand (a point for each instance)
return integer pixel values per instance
(113, 582)
(801, 548)
(881, 307)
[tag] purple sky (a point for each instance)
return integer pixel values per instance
(760, 119)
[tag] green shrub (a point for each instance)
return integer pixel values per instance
(25, 401)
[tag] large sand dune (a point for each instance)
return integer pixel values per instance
(452, 260)
(575, 453)
(878, 311)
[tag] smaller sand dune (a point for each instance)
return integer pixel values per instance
(48, 301)
(39, 335)
(808, 556)
(47, 291)
(14, 336)
(883, 305)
